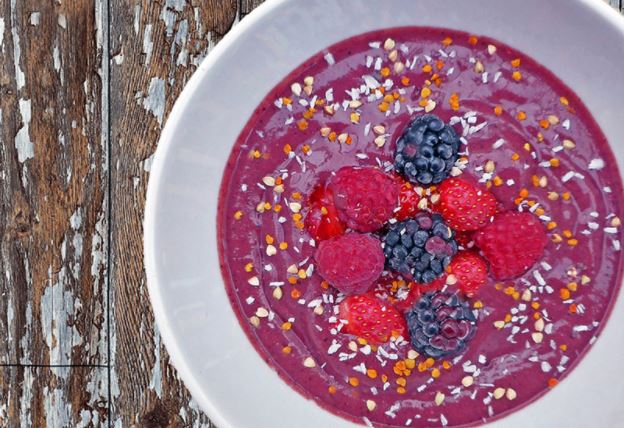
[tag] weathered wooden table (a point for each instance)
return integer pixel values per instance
(85, 89)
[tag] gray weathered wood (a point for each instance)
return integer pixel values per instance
(156, 47)
(53, 214)
(55, 397)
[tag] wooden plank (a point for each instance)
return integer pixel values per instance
(53, 210)
(53, 396)
(156, 46)
(246, 6)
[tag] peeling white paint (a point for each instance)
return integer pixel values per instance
(56, 408)
(169, 12)
(137, 18)
(62, 21)
(20, 78)
(148, 45)
(2, 33)
(25, 147)
(25, 417)
(147, 163)
(119, 59)
(155, 100)
(156, 381)
(180, 40)
(58, 310)
(34, 18)
(97, 388)
(56, 56)
(75, 221)
(25, 341)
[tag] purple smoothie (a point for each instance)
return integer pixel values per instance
(531, 330)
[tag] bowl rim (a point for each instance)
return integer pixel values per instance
(166, 143)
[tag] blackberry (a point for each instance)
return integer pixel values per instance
(419, 248)
(427, 150)
(441, 324)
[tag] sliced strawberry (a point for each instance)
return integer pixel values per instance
(465, 206)
(322, 218)
(512, 243)
(408, 201)
(370, 318)
(470, 271)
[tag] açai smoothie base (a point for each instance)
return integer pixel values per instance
(530, 141)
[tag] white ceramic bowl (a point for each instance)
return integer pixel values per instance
(581, 41)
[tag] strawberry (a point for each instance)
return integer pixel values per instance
(370, 318)
(470, 270)
(322, 218)
(465, 206)
(408, 200)
(512, 243)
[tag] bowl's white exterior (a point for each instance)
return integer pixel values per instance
(581, 41)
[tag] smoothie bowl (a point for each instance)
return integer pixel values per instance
(412, 220)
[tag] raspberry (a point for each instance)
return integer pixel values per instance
(322, 218)
(441, 324)
(465, 207)
(370, 318)
(512, 243)
(365, 197)
(427, 150)
(470, 271)
(419, 248)
(350, 262)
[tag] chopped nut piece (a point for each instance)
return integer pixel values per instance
(616, 222)
(355, 103)
(307, 90)
(308, 81)
(352, 346)
(296, 89)
(585, 279)
(309, 362)
(526, 295)
(491, 49)
(430, 106)
(343, 137)
(451, 279)
(380, 141)
(499, 324)
(295, 207)
(269, 181)
(489, 166)
(568, 144)
(393, 55)
(412, 355)
(422, 204)
(467, 381)
(319, 310)
(371, 405)
(277, 293)
(329, 110)
(254, 281)
(262, 312)
(479, 68)
(499, 393)
(439, 398)
(325, 131)
(379, 129)
(553, 120)
(537, 337)
(539, 325)
(255, 321)
(399, 67)
(389, 44)
(511, 394)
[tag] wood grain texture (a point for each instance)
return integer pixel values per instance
(53, 397)
(53, 215)
(156, 47)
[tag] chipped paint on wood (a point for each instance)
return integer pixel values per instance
(154, 102)
(20, 78)
(24, 146)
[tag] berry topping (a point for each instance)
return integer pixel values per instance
(372, 319)
(427, 150)
(470, 271)
(419, 248)
(351, 262)
(408, 201)
(512, 243)
(440, 324)
(464, 206)
(365, 197)
(322, 218)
